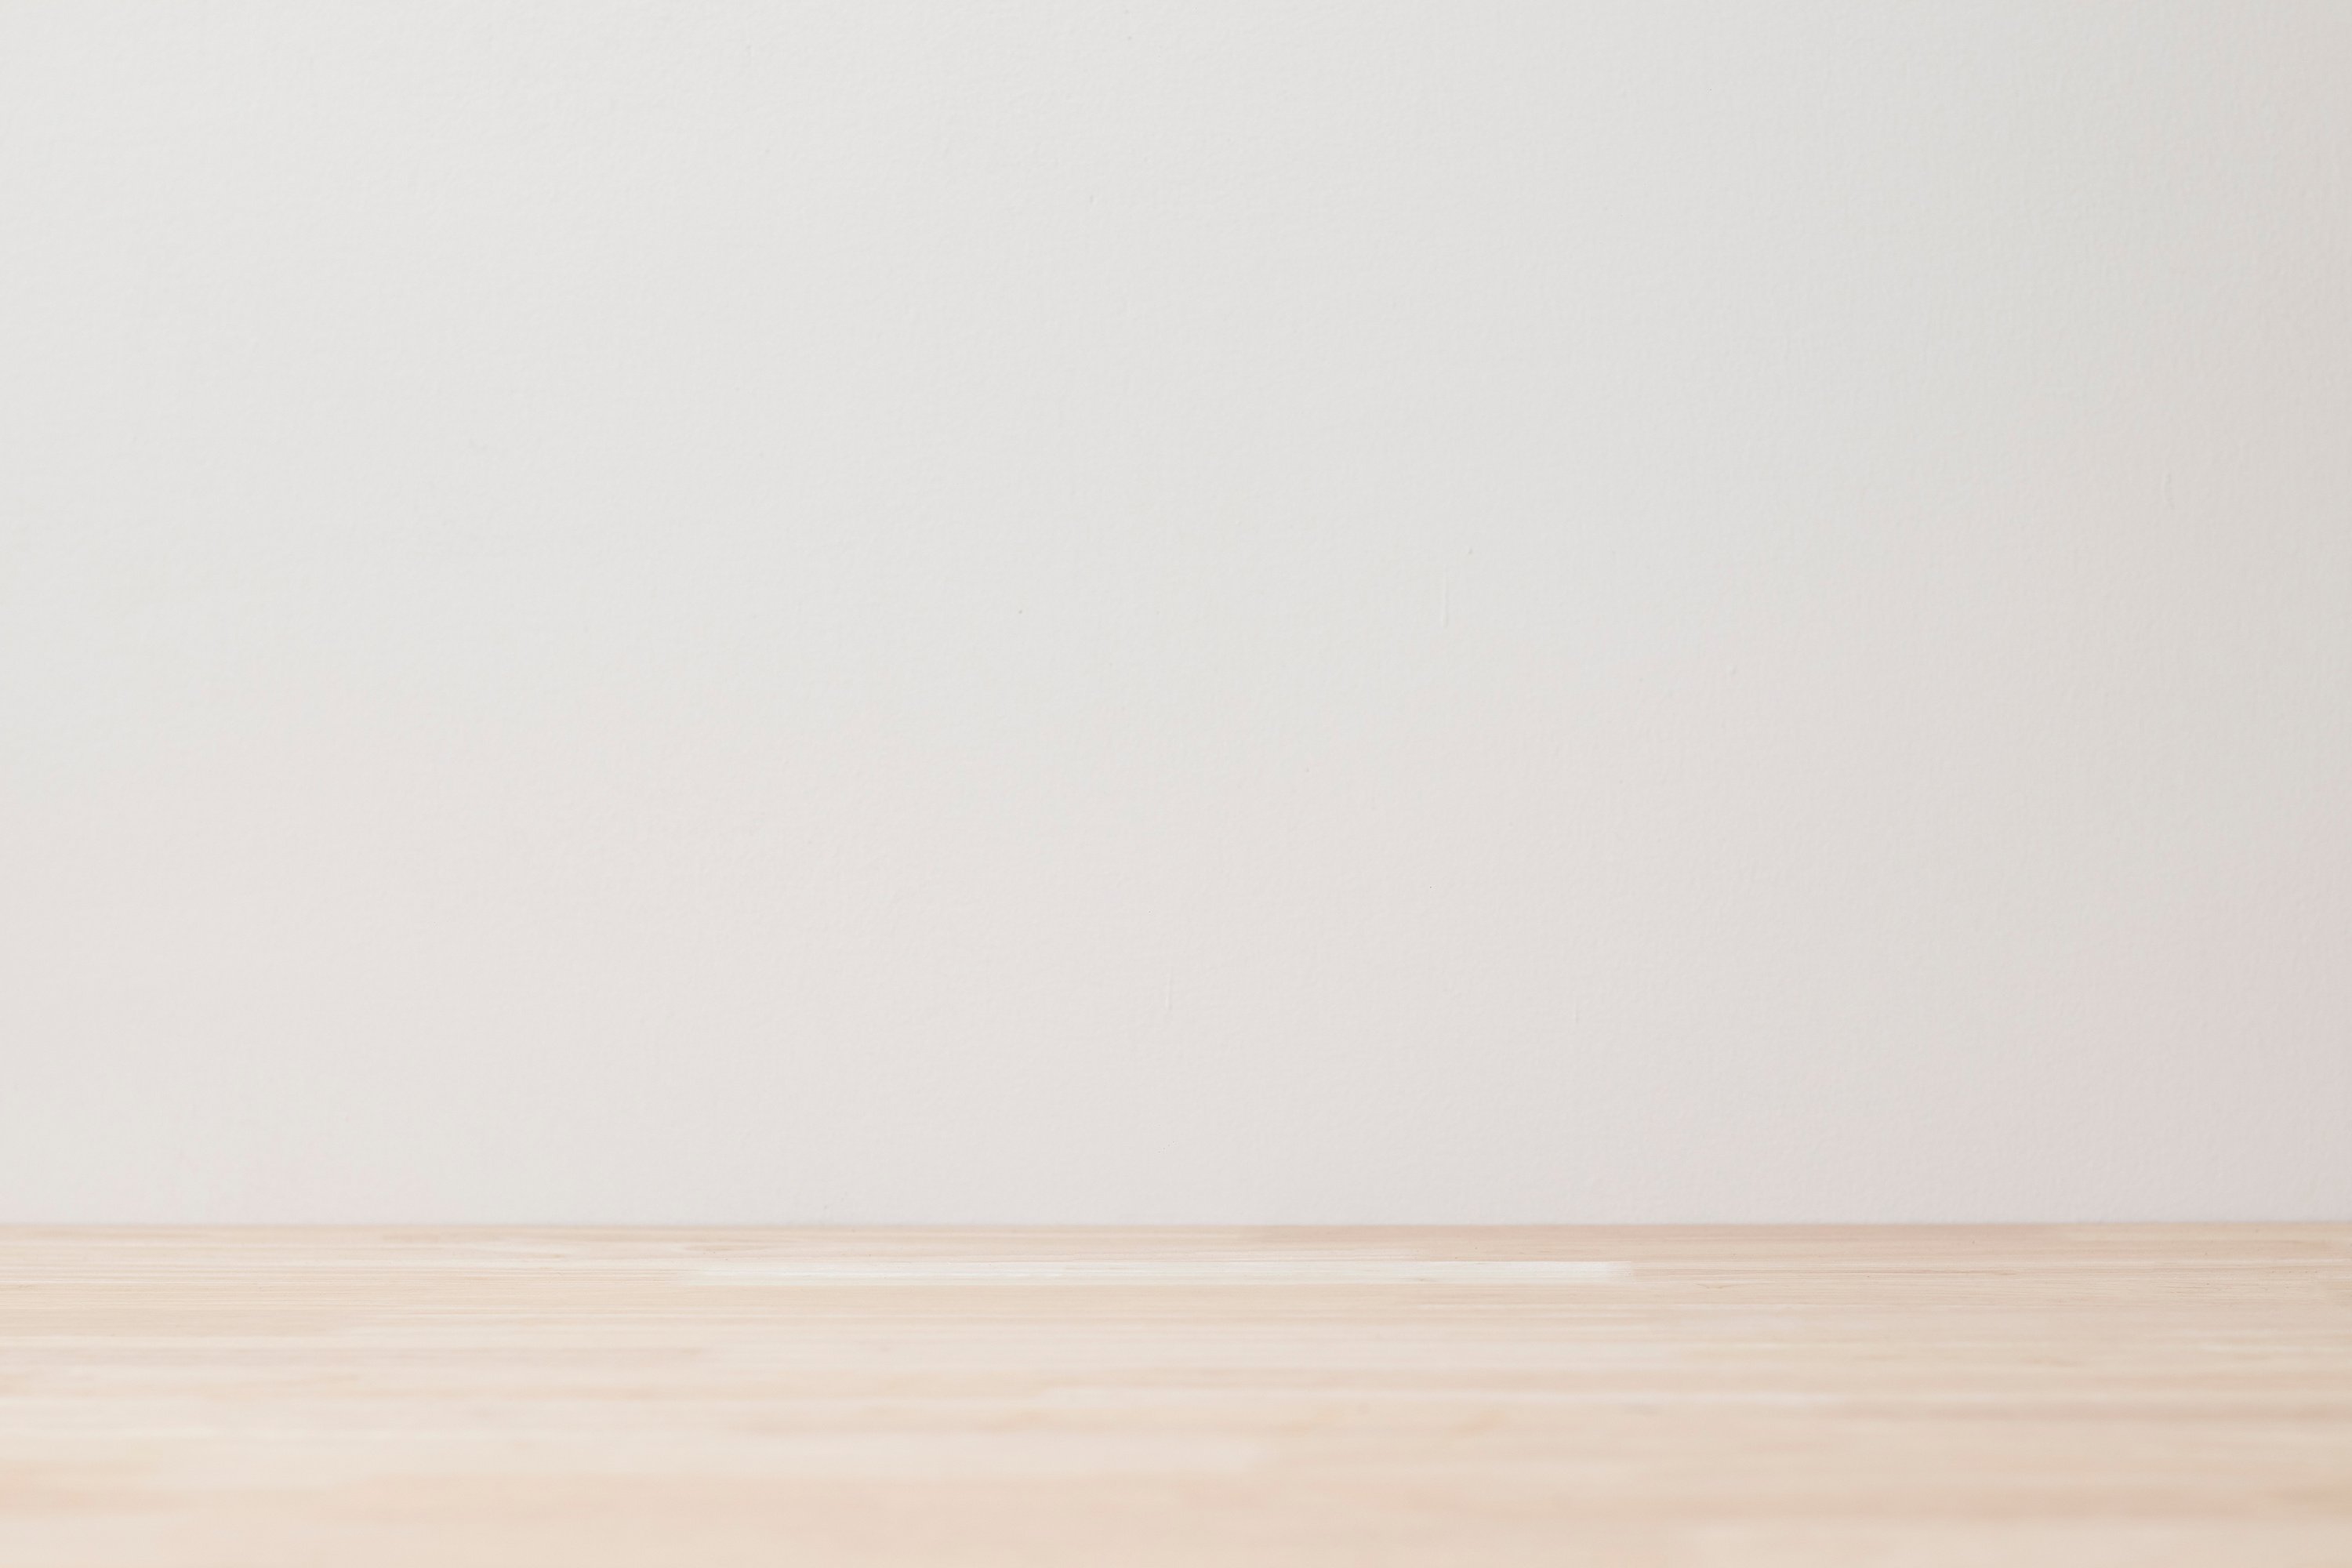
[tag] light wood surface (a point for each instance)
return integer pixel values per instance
(2087, 1396)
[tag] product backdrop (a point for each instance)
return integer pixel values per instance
(1175, 610)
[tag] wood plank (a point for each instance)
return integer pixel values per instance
(2091, 1396)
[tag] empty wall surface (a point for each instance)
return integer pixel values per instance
(1189, 612)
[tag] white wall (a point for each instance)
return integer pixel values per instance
(1185, 611)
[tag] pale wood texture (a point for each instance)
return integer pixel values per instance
(2085, 1396)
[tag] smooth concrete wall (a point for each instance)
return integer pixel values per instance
(1252, 612)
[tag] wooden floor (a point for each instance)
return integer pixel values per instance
(2090, 1397)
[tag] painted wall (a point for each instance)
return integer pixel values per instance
(727, 612)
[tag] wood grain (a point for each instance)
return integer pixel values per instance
(2086, 1396)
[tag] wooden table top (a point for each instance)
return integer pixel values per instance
(2092, 1397)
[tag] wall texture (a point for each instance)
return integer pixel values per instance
(730, 611)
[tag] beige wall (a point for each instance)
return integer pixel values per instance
(741, 612)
